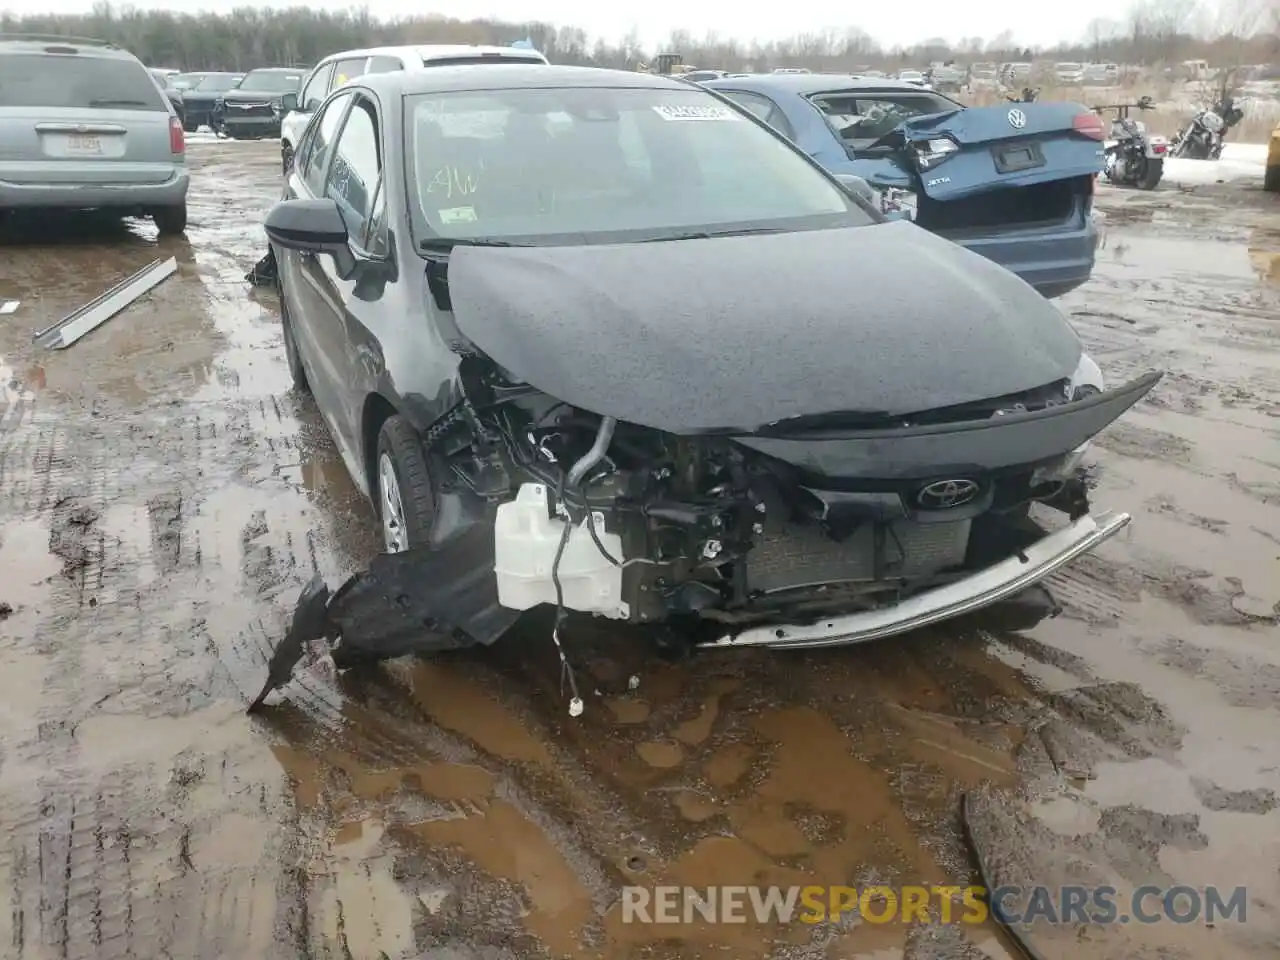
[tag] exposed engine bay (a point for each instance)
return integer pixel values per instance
(630, 523)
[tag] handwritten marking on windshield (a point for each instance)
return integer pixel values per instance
(453, 181)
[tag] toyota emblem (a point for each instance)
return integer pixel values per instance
(944, 494)
(1017, 119)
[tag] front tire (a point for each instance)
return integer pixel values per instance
(1151, 174)
(286, 157)
(405, 498)
(170, 221)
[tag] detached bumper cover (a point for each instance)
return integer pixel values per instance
(998, 582)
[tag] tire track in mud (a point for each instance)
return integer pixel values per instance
(114, 863)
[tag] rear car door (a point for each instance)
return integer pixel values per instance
(71, 116)
(385, 65)
(344, 70)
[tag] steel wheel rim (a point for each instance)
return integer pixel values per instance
(393, 532)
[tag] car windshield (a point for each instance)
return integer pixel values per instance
(77, 82)
(184, 81)
(264, 82)
(218, 83)
(597, 165)
(1068, 67)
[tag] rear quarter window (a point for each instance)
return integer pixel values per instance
(77, 82)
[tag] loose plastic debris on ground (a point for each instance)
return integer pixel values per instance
(165, 496)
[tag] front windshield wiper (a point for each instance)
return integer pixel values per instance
(443, 243)
(118, 103)
(709, 234)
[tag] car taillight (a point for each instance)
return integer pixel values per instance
(930, 153)
(1089, 125)
(177, 139)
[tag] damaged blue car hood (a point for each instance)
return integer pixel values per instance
(735, 333)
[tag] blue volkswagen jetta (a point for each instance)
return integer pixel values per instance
(1013, 183)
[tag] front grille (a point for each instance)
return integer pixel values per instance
(801, 556)
(235, 110)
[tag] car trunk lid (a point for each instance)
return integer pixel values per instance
(49, 145)
(981, 149)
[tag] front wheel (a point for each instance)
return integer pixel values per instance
(405, 498)
(286, 157)
(1151, 173)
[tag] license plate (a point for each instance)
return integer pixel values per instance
(82, 146)
(1024, 156)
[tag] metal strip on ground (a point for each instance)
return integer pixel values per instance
(97, 312)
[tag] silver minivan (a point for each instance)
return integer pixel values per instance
(83, 125)
(337, 68)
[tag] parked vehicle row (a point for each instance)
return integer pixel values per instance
(466, 265)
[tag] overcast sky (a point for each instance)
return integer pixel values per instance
(1032, 23)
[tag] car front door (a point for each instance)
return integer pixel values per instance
(354, 183)
(313, 93)
(302, 275)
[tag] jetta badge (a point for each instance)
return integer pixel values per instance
(1017, 119)
(944, 494)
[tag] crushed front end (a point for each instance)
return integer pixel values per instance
(822, 531)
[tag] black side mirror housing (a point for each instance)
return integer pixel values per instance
(312, 226)
(289, 102)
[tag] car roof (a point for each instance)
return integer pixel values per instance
(38, 44)
(299, 70)
(508, 76)
(806, 84)
(437, 51)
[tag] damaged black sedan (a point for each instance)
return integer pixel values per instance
(601, 341)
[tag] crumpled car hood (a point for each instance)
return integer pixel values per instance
(734, 333)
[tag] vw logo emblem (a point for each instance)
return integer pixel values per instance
(1017, 119)
(944, 494)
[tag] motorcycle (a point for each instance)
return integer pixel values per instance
(1204, 136)
(1135, 158)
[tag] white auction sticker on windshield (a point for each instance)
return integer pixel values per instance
(458, 215)
(709, 112)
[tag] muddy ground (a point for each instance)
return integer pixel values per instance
(163, 495)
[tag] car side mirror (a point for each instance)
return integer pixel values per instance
(289, 102)
(857, 187)
(312, 226)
